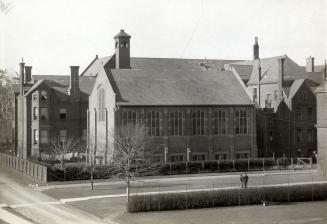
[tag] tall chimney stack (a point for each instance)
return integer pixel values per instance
(28, 74)
(310, 65)
(73, 89)
(281, 78)
(256, 49)
(22, 75)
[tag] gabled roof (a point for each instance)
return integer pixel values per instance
(150, 87)
(61, 82)
(244, 71)
(93, 68)
(291, 87)
(270, 70)
(173, 64)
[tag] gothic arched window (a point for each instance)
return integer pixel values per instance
(101, 105)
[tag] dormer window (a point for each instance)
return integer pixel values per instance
(44, 95)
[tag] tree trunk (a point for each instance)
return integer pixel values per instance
(92, 177)
(62, 161)
(127, 194)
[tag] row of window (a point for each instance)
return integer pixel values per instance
(269, 99)
(299, 135)
(304, 113)
(44, 136)
(198, 122)
(42, 113)
(203, 157)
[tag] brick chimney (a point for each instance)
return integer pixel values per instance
(310, 65)
(28, 74)
(256, 49)
(22, 74)
(122, 50)
(73, 89)
(281, 75)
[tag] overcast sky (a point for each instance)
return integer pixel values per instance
(52, 35)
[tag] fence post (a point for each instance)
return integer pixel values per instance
(263, 164)
(169, 168)
(278, 164)
(202, 166)
(292, 163)
(185, 196)
(248, 165)
(218, 166)
(159, 206)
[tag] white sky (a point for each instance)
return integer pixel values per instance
(51, 35)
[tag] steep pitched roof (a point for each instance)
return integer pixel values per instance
(93, 68)
(244, 71)
(61, 82)
(270, 70)
(165, 87)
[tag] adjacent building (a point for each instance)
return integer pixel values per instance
(283, 93)
(52, 106)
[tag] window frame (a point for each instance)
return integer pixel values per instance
(101, 104)
(129, 118)
(60, 113)
(47, 113)
(175, 123)
(241, 119)
(42, 136)
(153, 123)
(219, 154)
(63, 137)
(220, 122)
(35, 113)
(198, 122)
(36, 137)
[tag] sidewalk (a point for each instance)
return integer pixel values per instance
(102, 182)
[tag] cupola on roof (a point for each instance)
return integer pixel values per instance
(122, 34)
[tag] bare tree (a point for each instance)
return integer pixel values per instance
(60, 147)
(129, 150)
(6, 105)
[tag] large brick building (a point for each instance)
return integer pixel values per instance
(193, 109)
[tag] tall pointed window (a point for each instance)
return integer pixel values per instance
(241, 122)
(198, 120)
(101, 105)
(129, 118)
(220, 122)
(153, 123)
(176, 123)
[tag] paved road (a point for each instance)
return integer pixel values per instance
(27, 205)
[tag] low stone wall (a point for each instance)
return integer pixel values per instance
(29, 168)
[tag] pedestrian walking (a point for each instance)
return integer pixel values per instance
(246, 179)
(242, 181)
